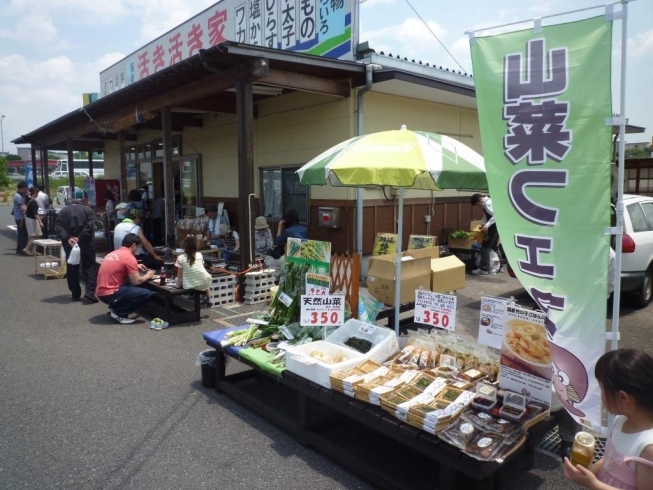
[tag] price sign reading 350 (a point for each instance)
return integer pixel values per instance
(435, 309)
(322, 310)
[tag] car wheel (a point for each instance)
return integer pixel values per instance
(645, 291)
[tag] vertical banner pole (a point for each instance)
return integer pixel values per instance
(616, 301)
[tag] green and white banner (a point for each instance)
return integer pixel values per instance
(543, 99)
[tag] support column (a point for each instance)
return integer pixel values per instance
(46, 173)
(36, 180)
(122, 159)
(168, 177)
(245, 111)
(71, 170)
(90, 163)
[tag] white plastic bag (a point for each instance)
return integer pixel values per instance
(75, 256)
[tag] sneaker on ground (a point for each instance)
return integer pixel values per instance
(480, 272)
(122, 320)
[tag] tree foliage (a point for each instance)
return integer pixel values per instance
(4, 178)
(638, 152)
(11, 157)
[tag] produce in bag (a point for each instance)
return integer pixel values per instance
(459, 434)
(485, 446)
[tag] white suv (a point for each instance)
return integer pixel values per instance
(637, 248)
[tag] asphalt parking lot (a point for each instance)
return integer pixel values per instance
(86, 403)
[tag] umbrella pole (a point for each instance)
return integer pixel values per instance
(400, 193)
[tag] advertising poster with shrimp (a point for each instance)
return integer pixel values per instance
(525, 354)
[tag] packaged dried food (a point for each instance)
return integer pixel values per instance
(459, 434)
(471, 375)
(392, 401)
(422, 381)
(414, 358)
(424, 359)
(486, 397)
(461, 385)
(408, 392)
(436, 386)
(369, 366)
(514, 406)
(485, 446)
(405, 354)
(449, 394)
(421, 409)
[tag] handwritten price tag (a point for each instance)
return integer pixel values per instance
(435, 309)
(322, 310)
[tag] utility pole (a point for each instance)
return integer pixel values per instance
(2, 135)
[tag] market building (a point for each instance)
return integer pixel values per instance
(232, 122)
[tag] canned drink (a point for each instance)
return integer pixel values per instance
(582, 452)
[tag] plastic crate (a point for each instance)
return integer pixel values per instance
(384, 340)
(299, 361)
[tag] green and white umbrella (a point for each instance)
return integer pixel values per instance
(401, 159)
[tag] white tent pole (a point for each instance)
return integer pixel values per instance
(620, 183)
(400, 193)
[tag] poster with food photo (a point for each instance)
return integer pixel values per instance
(490, 322)
(525, 354)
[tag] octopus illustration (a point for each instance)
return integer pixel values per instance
(569, 379)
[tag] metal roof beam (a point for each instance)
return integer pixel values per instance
(307, 83)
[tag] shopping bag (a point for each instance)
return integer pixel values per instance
(75, 256)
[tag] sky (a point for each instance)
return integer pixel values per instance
(52, 51)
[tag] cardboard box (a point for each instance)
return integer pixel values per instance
(417, 242)
(475, 227)
(430, 252)
(447, 274)
(461, 242)
(415, 274)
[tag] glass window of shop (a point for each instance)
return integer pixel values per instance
(145, 167)
(281, 190)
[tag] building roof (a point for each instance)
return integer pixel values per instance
(221, 57)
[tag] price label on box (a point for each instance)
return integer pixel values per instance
(435, 309)
(322, 310)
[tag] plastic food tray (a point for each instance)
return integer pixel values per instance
(300, 362)
(384, 340)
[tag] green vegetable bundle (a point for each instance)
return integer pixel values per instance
(292, 284)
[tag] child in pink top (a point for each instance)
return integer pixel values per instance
(626, 380)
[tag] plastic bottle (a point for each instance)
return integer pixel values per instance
(162, 276)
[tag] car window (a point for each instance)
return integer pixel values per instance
(648, 211)
(637, 217)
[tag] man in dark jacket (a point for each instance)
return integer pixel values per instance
(75, 226)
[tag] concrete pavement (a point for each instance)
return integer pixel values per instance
(86, 403)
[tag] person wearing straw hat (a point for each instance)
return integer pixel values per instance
(262, 236)
(231, 241)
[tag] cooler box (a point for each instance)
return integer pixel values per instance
(384, 340)
(300, 362)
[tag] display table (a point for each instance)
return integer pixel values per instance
(52, 263)
(363, 437)
(168, 305)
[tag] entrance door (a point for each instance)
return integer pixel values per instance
(188, 183)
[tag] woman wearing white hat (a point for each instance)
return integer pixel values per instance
(262, 236)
